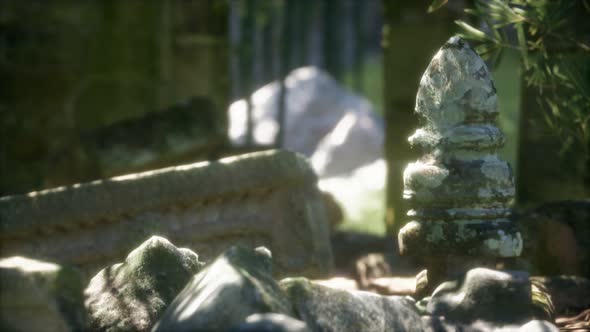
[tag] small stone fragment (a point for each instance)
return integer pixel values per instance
(131, 296)
(499, 297)
(439, 324)
(40, 296)
(234, 286)
(328, 309)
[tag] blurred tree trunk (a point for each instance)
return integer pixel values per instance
(359, 45)
(246, 50)
(411, 37)
(268, 44)
(304, 23)
(286, 57)
(332, 41)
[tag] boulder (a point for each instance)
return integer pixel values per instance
(328, 309)
(236, 285)
(40, 296)
(271, 323)
(316, 107)
(356, 140)
(500, 297)
(132, 295)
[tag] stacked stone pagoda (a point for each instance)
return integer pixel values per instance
(459, 191)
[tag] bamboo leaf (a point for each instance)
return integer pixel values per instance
(436, 5)
(471, 32)
(522, 44)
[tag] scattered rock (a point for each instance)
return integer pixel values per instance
(271, 323)
(40, 296)
(236, 285)
(349, 247)
(132, 295)
(494, 296)
(328, 309)
(371, 266)
(439, 324)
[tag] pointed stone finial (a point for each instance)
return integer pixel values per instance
(460, 191)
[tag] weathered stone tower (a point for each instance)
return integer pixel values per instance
(459, 191)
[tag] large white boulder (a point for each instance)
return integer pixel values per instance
(335, 127)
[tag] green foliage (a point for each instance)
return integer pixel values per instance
(551, 37)
(436, 4)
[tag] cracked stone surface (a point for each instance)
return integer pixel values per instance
(460, 190)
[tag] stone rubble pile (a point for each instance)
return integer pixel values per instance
(160, 287)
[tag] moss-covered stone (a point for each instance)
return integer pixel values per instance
(483, 294)
(328, 309)
(234, 286)
(132, 295)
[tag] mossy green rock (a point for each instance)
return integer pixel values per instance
(328, 309)
(132, 295)
(499, 297)
(40, 296)
(236, 285)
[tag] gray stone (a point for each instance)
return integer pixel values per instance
(439, 324)
(499, 297)
(132, 295)
(236, 285)
(460, 190)
(40, 296)
(328, 309)
(267, 198)
(271, 323)
(568, 293)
